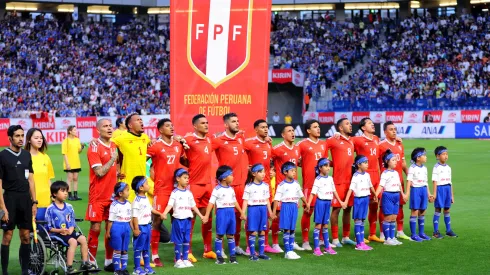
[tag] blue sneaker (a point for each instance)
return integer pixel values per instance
(424, 237)
(149, 270)
(139, 271)
(451, 234)
(416, 238)
(253, 258)
(264, 257)
(437, 235)
(348, 241)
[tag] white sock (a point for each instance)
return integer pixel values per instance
(153, 257)
(345, 238)
(107, 262)
(335, 241)
(401, 232)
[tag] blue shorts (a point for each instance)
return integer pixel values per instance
(257, 218)
(64, 239)
(361, 205)
(390, 203)
(322, 211)
(418, 198)
(40, 216)
(225, 221)
(120, 236)
(443, 196)
(288, 216)
(142, 242)
(181, 231)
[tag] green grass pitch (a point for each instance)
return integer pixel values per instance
(467, 254)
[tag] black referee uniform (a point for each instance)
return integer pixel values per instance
(14, 172)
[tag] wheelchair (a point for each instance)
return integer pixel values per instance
(51, 251)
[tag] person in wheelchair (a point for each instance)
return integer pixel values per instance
(60, 221)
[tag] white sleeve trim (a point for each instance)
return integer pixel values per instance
(96, 165)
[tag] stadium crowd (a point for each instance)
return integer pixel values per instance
(321, 48)
(82, 69)
(425, 63)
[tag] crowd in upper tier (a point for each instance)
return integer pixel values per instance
(425, 63)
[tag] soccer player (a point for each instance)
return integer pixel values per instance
(311, 150)
(120, 127)
(229, 151)
(18, 202)
(282, 153)
(367, 145)
(199, 161)
(71, 147)
(260, 151)
(132, 147)
(166, 155)
(102, 159)
(391, 142)
(342, 150)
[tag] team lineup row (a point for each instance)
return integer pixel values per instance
(356, 184)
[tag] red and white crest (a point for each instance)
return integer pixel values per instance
(218, 43)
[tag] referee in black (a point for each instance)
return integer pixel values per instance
(18, 202)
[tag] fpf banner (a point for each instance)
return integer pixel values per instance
(219, 61)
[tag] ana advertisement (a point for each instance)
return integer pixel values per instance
(424, 130)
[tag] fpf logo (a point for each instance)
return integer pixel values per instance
(218, 42)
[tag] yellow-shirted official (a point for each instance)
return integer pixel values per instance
(43, 169)
(71, 147)
(133, 145)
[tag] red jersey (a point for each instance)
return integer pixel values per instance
(369, 148)
(166, 159)
(101, 188)
(397, 149)
(259, 151)
(200, 158)
(310, 152)
(342, 150)
(281, 153)
(229, 151)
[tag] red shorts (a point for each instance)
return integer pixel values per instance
(98, 211)
(307, 192)
(202, 194)
(239, 189)
(342, 190)
(160, 202)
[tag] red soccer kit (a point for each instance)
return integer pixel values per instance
(310, 152)
(101, 188)
(166, 159)
(397, 149)
(199, 156)
(259, 151)
(342, 150)
(281, 154)
(369, 148)
(229, 151)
